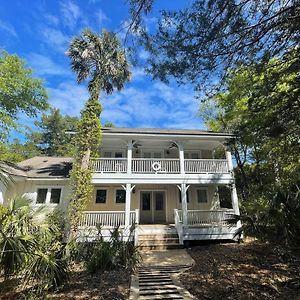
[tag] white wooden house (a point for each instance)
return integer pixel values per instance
(167, 182)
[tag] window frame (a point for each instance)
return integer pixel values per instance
(48, 194)
(119, 189)
(106, 196)
(202, 189)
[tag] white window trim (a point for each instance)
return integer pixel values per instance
(115, 196)
(95, 195)
(48, 196)
(202, 189)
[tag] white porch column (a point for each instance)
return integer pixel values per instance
(181, 157)
(234, 199)
(128, 188)
(229, 160)
(127, 205)
(183, 189)
(234, 196)
(129, 156)
(3, 188)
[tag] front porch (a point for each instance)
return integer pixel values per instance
(201, 225)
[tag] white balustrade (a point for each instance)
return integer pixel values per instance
(206, 166)
(107, 218)
(153, 165)
(206, 217)
(160, 165)
(109, 165)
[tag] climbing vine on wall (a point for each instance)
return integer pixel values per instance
(88, 140)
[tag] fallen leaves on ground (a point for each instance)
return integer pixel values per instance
(250, 270)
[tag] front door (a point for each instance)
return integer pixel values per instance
(153, 207)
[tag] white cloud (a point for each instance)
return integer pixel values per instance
(101, 17)
(138, 74)
(55, 39)
(8, 28)
(52, 20)
(44, 65)
(152, 105)
(68, 97)
(70, 13)
(144, 55)
(156, 105)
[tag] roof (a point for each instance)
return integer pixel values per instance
(160, 131)
(41, 167)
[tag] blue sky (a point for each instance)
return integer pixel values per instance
(40, 31)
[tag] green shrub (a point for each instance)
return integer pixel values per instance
(31, 246)
(115, 253)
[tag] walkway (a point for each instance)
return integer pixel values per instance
(157, 277)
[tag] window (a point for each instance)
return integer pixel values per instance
(41, 196)
(48, 195)
(147, 155)
(101, 196)
(157, 155)
(55, 196)
(107, 154)
(118, 155)
(146, 201)
(191, 155)
(120, 196)
(195, 155)
(159, 201)
(202, 195)
(187, 196)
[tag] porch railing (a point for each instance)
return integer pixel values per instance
(206, 217)
(107, 218)
(206, 166)
(160, 166)
(109, 165)
(153, 165)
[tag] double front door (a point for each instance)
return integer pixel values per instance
(152, 207)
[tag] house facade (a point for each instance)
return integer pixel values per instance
(180, 179)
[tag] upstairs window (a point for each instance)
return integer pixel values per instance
(48, 195)
(120, 196)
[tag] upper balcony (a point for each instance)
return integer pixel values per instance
(160, 166)
(155, 156)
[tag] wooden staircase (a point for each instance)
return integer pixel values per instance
(158, 237)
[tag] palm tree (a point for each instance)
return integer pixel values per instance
(100, 59)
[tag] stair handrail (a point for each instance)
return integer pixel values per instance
(178, 225)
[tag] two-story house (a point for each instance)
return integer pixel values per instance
(168, 182)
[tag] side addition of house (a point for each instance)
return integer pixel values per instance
(177, 182)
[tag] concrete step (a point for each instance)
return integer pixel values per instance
(145, 242)
(157, 236)
(160, 246)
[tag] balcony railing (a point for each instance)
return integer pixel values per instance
(206, 166)
(109, 165)
(160, 166)
(153, 165)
